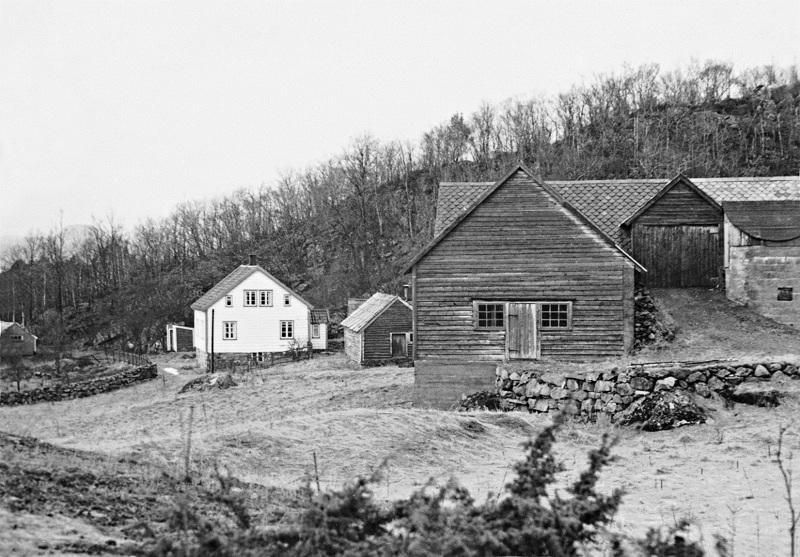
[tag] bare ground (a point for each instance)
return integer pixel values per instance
(268, 429)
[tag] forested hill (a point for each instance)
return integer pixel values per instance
(345, 227)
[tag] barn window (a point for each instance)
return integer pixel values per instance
(489, 315)
(229, 330)
(555, 315)
(315, 330)
(228, 301)
(785, 293)
(16, 338)
(287, 329)
(265, 297)
(286, 300)
(250, 297)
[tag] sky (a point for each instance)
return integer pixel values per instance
(126, 108)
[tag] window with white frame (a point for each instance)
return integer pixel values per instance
(555, 315)
(228, 301)
(489, 315)
(250, 297)
(287, 329)
(315, 330)
(287, 300)
(229, 330)
(259, 356)
(265, 297)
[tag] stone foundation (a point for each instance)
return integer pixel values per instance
(591, 393)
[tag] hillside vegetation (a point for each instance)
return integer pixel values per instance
(346, 226)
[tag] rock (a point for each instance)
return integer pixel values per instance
(624, 389)
(572, 385)
(586, 406)
(761, 371)
(544, 390)
(579, 395)
(696, 377)
(715, 384)
(588, 386)
(702, 389)
(642, 383)
(603, 386)
(790, 369)
(503, 373)
(571, 407)
(553, 404)
(542, 405)
(779, 377)
(519, 390)
(558, 393)
(722, 373)
(551, 378)
(663, 410)
(611, 407)
(599, 405)
(775, 366)
(483, 400)
(665, 384)
(532, 388)
(591, 376)
(759, 394)
(743, 371)
(514, 376)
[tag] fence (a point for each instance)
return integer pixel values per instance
(127, 357)
(225, 362)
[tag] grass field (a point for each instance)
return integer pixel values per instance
(268, 429)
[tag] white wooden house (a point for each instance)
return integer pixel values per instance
(249, 314)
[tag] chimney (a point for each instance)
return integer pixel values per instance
(406, 291)
(252, 259)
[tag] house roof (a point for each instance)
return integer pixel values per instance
(610, 203)
(766, 220)
(320, 316)
(479, 191)
(367, 312)
(234, 279)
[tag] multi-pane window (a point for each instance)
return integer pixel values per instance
(315, 330)
(287, 329)
(229, 330)
(16, 338)
(555, 315)
(250, 297)
(228, 301)
(259, 356)
(489, 315)
(286, 300)
(265, 297)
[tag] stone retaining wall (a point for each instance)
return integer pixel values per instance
(610, 392)
(80, 389)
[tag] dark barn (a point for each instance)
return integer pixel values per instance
(378, 330)
(16, 340)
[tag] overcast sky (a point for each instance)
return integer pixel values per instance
(128, 107)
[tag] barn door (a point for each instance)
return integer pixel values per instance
(679, 256)
(399, 345)
(522, 334)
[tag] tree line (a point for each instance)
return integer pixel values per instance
(346, 226)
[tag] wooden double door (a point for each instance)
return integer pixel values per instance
(680, 255)
(522, 331)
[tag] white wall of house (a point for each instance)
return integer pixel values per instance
(257, 328)
(320, 342)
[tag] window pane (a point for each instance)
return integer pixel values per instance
(490, 316)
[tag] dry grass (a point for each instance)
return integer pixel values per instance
(267, 429)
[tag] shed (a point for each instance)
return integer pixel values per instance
(762, 256)
(320, 320)
(16, 340)
(379, 330)
(179, 338)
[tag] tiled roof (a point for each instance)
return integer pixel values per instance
(609, 203)
(364, 314)
(766, 220)
(320, 316)
(223, 287)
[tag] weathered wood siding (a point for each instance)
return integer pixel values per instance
(10, 346)
(377, 342)
(678, 240)
(521, 245)
(352, 345)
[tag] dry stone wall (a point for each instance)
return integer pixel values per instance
(610, 392)
(80, 389)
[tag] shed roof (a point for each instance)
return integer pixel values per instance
(766, 220)
(234, 279)
(479, 191)
(367, 312)
(6, 324)
(320, 316)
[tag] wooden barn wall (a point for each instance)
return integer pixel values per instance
(521, 245)
(754, 275)
(9, 347)
(680, 205)
(352, 345)
(396, 319)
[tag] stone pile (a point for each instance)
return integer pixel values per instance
(610, 392)
(647, 329)
(80, 389)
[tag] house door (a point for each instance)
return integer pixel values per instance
(679, 256)
(522, 334)
(399, 345)
(171, 341)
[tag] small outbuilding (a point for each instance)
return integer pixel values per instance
(379, 330)
(16, 340)
(179, 338)
(320, 319)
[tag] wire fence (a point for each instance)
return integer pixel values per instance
(259, 361)
(127, 357)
